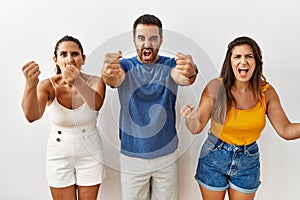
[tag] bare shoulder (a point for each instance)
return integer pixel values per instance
(89, 77)
(270, 90)
(92, 80)
(48, 82)
(45, 84)
(271, 94)
(46, 90)
(214, 86)
(215, 83)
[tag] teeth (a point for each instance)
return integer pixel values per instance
(147, 52)
(243, 69)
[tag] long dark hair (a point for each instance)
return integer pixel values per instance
(225, 99)
(66, 38)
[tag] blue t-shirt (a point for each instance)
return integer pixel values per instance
(147, 117)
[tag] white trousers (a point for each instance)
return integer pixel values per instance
(145, 179)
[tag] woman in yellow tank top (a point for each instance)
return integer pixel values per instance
(237, 104)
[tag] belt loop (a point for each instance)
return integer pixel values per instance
(220, 145)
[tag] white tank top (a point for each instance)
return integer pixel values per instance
(62, 116)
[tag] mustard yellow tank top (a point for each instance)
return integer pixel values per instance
(242, 127)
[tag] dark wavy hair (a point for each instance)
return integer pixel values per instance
(148, 19)
(66, 38)
(225, 99)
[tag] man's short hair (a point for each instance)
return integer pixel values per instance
(148, 19)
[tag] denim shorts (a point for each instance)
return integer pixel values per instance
(222, 165)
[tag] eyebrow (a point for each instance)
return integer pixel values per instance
(64, 51)
(141, 35)
(241, 54)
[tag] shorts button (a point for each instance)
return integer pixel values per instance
(83, 130)
(85, 137)
(58, 139)
(59, 132)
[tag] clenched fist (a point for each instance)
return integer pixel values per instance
(185, 71)
(70, 73)
(112, 64)
(112, 72)
(188, 112)
(31, 72)
(185, 65)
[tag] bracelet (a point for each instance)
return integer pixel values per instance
(194, 74)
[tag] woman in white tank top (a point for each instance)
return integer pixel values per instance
(74, 152)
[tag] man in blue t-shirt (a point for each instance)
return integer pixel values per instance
(147, 86)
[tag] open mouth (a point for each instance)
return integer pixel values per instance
(147, 52)
(243, 71)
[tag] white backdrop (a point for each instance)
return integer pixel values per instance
(30, 29)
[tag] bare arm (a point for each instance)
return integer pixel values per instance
(196, 119)
(278, 118)
(112, 73)
(35, 95)
(93, 96)
(185, 71)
